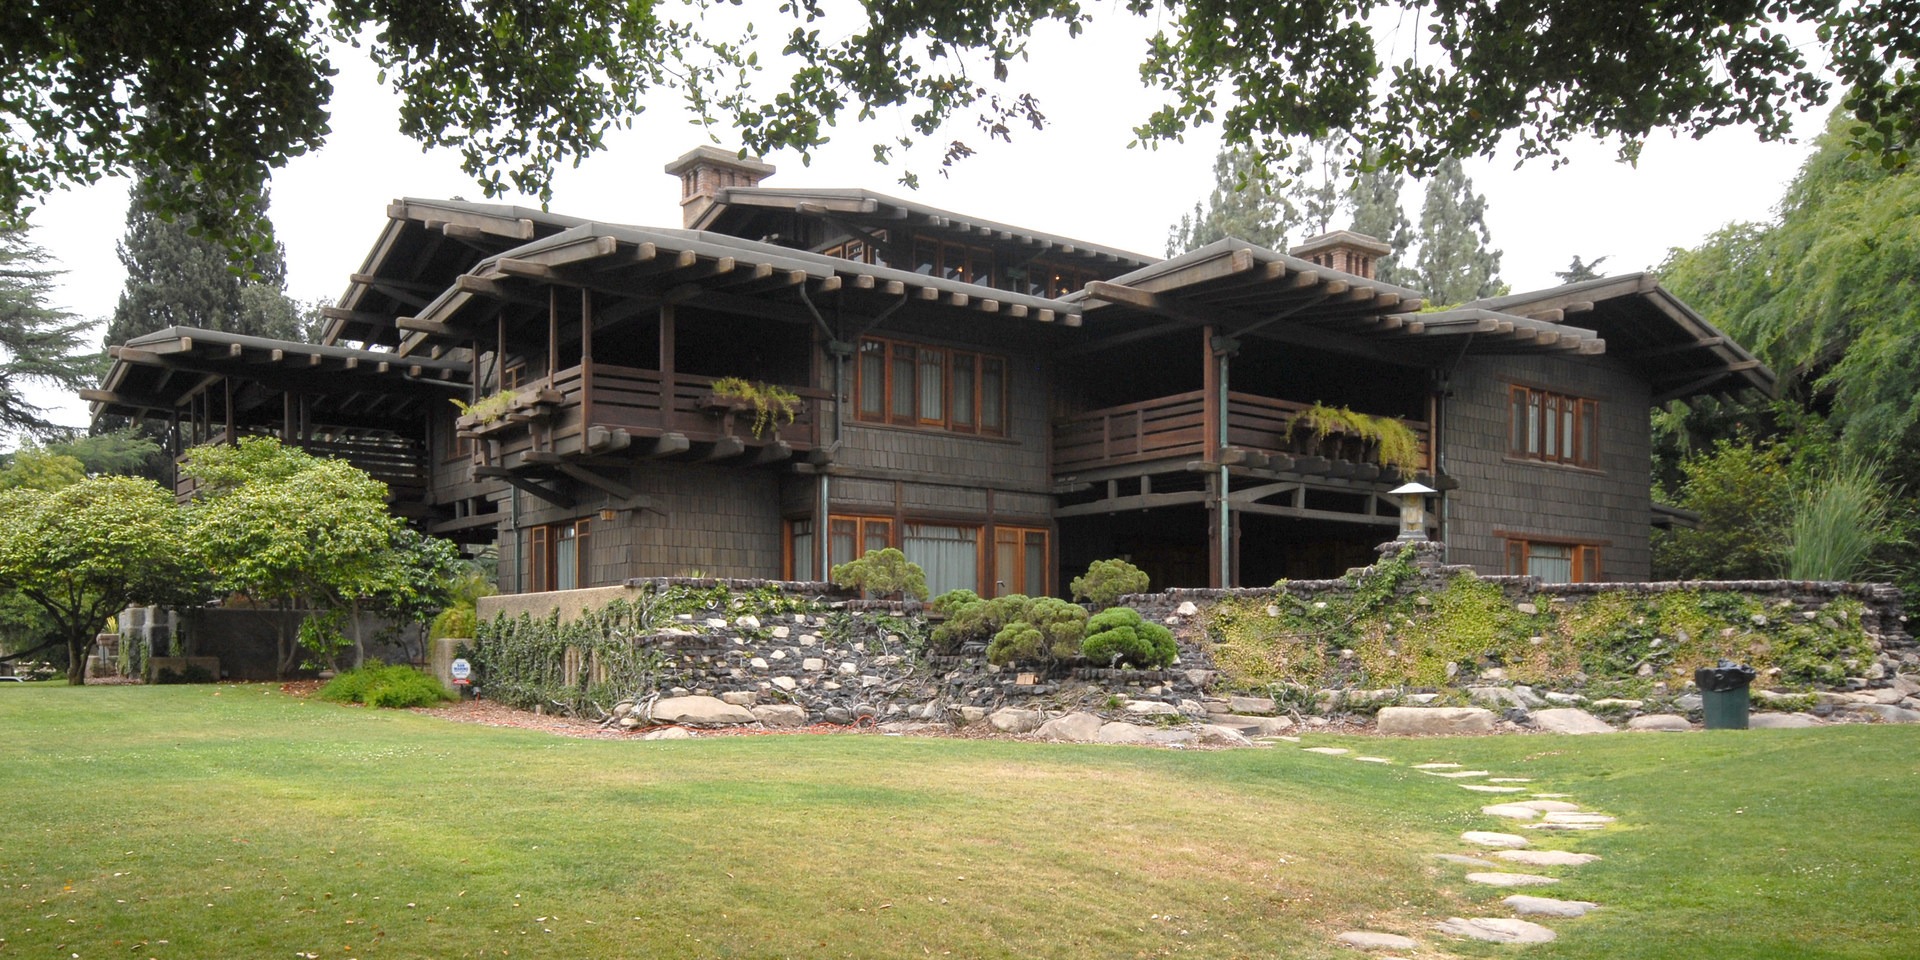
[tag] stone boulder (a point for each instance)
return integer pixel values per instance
(1080, 727)
(1569, 720)
(1434, 721)
(1781, 721)
(1151, 708)
(710, 711)
(1223, 736)
(1250, 705)
(1660, 723)
(1016, 720)
(670, 733)
(1121, 732)
(780, 715)
(1882, 712)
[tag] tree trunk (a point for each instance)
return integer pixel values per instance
(77, 649)
(359, 643)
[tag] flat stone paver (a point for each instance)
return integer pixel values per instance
(1546, 858)
(1373, 759)
(1456, 774)
(1496, 930)
(1566, 826)
(1436, 766)
(1577, 817)
(1511, 879)
(1551, 796)
(1527, 906)
(1369, 940)
(1465, 861)
(1549, 806)
(1487, 838)
(1483, 788)
(1329, 751)
(1512, 811)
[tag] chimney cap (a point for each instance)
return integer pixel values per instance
(707, 154)
(1340, 238)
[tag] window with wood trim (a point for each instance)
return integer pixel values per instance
(916, 385)
(860, 249)
(949, 553)
(558, 557)
(1020, 561)
(1554, 562)
(953, 261)
(850, 538)
(1552, 427)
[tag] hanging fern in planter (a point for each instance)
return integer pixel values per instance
(489, 408)
(1394, 445)
(772, 404)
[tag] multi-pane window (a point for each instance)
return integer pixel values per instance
(1019, 561)
(850, 538)
(557, 556)
(1554, 562)
(917, 385)
(949, 554)
(953, 261)
(1552, 427)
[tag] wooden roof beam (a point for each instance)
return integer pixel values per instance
(1667, 350)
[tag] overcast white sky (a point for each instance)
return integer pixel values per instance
(1078, 178)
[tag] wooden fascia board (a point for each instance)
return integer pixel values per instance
(511, 228)
(1200, 314)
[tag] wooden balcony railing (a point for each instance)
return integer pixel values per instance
(642, 403)
(1173, 427)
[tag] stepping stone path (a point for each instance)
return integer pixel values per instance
(1545, 858)
(1511, 879)
(1483, 838)
(1497, 930)
(1364, 940)
(1547, 906)
(1548, 811)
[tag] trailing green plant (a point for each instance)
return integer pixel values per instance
(1106, 581)
(1118, 635)
(1042, 630)
(882, 573)
(772, 404)
(1838, 522)
(379, 684)
(1392, 444)
(591, 662)
(489, 408)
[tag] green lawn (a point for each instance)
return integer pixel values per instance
(234, 821)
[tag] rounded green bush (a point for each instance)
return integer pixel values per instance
(1119, 635)
(385, 685)
(1106, 581)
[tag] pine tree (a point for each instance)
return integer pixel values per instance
(1374, 198)
(39, 344)
(176, 279)
(1580, 270)
(1244, 204)
(1457, 262)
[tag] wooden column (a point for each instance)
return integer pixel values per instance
(668, 321)
(586, 362)
(1210, 419)
(226, 384)
(553, 327)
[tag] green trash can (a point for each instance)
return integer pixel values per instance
(1724, 696)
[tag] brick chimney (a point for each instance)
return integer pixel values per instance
(1343, 250)
(705, 170)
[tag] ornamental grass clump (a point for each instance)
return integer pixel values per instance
(385, 685)
(1118, 635)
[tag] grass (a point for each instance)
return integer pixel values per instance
(237, 821)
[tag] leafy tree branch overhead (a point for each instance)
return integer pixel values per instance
(226, 91)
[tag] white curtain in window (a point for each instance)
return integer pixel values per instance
(1551, 562)
(949, 555)
(802, 550)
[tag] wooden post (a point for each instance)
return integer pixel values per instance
(668, 321)
(1210, 419)
(553, 328)
(227, 385)
(586, 362)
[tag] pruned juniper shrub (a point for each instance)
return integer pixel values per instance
(1118, 635)
(384, 685)
(1106, 581)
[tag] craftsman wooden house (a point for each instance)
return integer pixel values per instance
(1003, 405)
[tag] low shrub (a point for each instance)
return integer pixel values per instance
(384, 685)
(882, 573)
(1106, 581)
(1118, 635)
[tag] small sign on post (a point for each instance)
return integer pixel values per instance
(461, 670)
